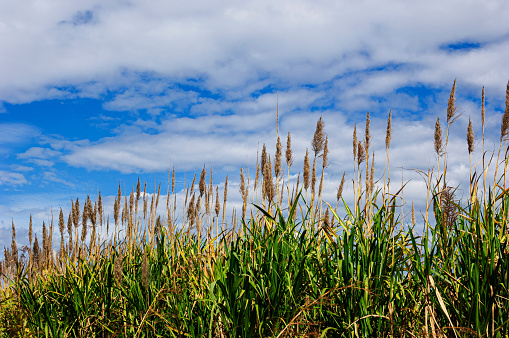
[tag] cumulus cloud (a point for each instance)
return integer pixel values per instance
(228, 45)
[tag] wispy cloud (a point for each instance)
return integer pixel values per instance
(12, 179)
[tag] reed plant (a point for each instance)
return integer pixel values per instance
(292, 264)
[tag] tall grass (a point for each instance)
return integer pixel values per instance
(288, 266)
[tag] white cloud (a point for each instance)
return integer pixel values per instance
(12, 179)
(228, 45)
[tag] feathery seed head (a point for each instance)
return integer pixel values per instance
(451, 107)
(217, 206)
(289, 157)
(306, 171)
(242, 186)
(388, 135)
(340, 188)
(264, 158)
(191, 211)
(138, 190)
(326, 219)
(173, 180)
(76, 213)
(355, 142)
(361, 156)
(202, 184)
(325, 153)
(413, 214)
(483, 112)
(438, 138)
(61, 222)
(319, 138)
(225, 189)
(13, 230)
(367, 139)
(268, 184)
(470, 137)
(30, 230)
(505, 117)
(277, 159)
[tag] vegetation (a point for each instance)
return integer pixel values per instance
(288, 266)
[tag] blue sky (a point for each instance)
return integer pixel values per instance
(94, 93)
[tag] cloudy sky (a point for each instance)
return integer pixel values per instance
(93, 93)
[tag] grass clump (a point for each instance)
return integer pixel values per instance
(290, 266)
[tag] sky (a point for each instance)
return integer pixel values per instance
(96, 93)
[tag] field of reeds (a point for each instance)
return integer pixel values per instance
(287, 265)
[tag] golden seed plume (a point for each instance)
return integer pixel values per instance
(191, 211)
(36, 252)
(14, 247)
(264, 158)
(69, 232)
(483, 111)
(243, 192)
(326, 219)
(225, 189)
(289, 157)
(505, 117)
(319, 138)
(388, 134)
(13, 230)
(242, 186)
(451, 107)
(367, 140)
(173, 180)
(61, 222)
(438, 138)
(202, 184)
(355, 142)
(277, 159)
(413, 214)
(131, 202)
(157, 197)
(360, 153)
(306, 171)
(45, 250)
(340, 188)
(470, 137)
(325, 153)
(100, 210)
(217, 206)
(138, 190)
(268, 184)
(192, 184)
(76, 213)
(30, 231)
